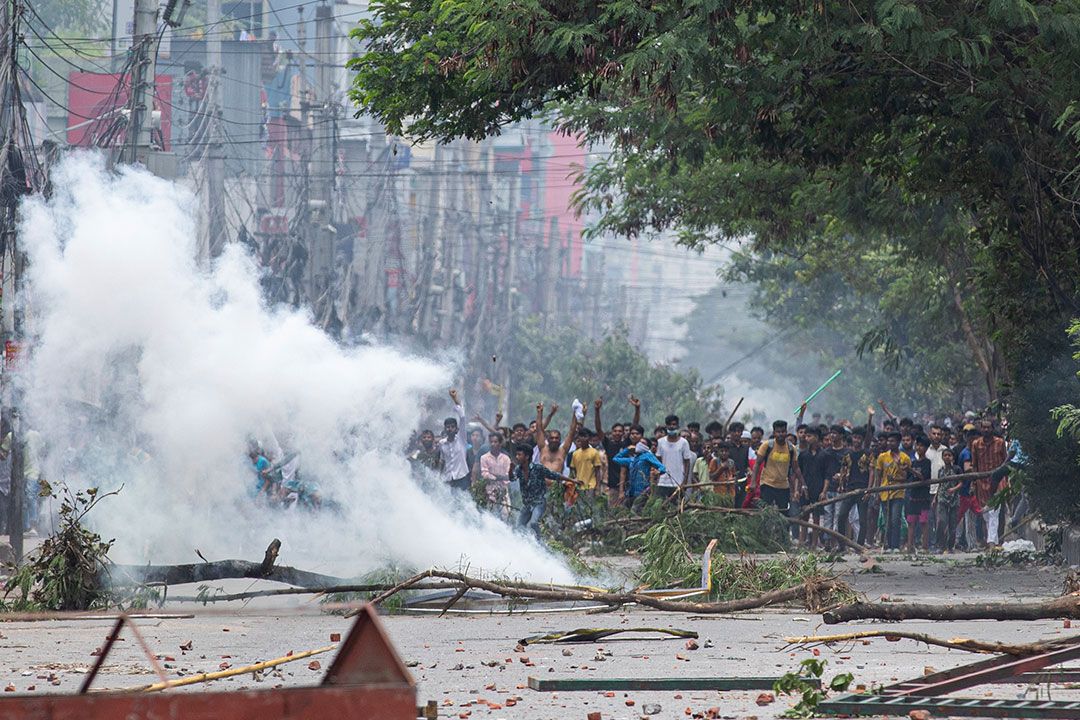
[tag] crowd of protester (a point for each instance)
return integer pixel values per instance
(797, 469)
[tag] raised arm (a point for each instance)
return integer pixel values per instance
(485, 425)
(869, 425)
(554, 409)
(599, 403)
(802, 414)
(458, 407)
(570, 436)
(888, 412)
(538, 434)
(637, 409)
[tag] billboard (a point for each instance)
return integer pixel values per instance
(95, 102)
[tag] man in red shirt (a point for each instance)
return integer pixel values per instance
(988, 452)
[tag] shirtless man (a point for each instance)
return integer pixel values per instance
(553, 451)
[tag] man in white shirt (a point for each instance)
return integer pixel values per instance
(674, 452)
(452, 449)
(933, 454)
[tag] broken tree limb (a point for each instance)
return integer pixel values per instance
(591, 635)
(224, 569)
(807, 509)
(227, 597)
(1062, 607)
(966, 644)
(861, 549)
(817, 592)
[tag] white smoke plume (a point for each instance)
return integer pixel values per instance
(146, 371)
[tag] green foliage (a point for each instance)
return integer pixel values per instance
(66, 571)
(1068, 415)
(1053, 470)
(942, 134)
(389, 575)
(671, 548)
(796, 683)
(75, 18)
(559, 364)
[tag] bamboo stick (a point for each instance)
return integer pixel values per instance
(231, 672)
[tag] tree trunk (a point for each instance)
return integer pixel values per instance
(1062, 607)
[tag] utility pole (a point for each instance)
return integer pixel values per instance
(17, 176)
(143, 79)
(323, 231)
(214, 163)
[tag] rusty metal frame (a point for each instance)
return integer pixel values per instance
(366, 681)
(928, 692)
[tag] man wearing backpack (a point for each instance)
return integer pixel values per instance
(776, 472)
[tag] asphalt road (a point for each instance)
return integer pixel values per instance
(459, 660)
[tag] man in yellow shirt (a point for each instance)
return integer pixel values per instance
(776, 469)
(892, 468)
(586, 462)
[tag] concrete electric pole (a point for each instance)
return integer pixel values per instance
(214, 160)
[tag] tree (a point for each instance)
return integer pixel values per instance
(561, 364)
(799, 124)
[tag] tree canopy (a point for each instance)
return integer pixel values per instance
(611, 368)
(939, 132)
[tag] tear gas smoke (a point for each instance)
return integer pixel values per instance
(150, 373)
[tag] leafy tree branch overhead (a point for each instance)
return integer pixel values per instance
(941, 131)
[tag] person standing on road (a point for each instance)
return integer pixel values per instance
(453, 450)
(674, 452)
(891, 468)
(533, 479)
(813, 464)
(495, 474)
(860, 464)
(639, 463)
(988, 452)
(776, 470)
(613, 442)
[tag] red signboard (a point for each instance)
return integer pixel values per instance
(94, 102)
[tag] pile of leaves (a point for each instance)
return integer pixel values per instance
(671, 557)
(671, 549)
(67, 571)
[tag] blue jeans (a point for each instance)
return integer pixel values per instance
(530, 517)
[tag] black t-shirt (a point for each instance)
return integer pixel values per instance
(612, 449)
(861, 463)
(920, 495)
(834, 459)
(740, 455)
(812, 466)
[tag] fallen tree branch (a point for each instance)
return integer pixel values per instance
(224, 569)
(861, 549)
(966, 644)
(815, 593)
(807, 509)
(592, 635)
(227, 597)
(1062, 607)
